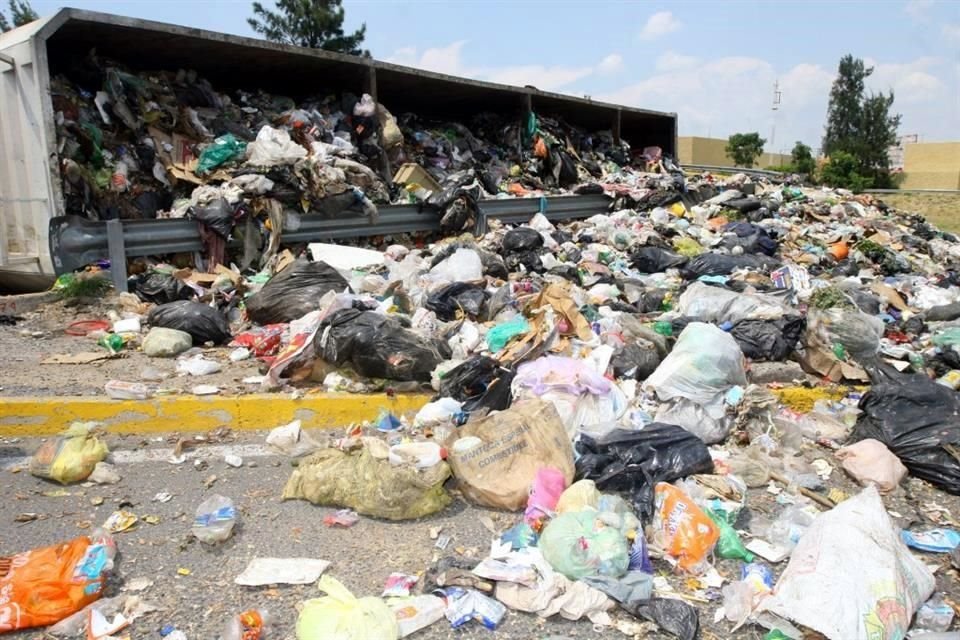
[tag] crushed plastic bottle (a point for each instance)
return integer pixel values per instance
(934, 615)
(215, 519)
(120, 390)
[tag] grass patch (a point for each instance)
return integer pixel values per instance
(940, 209)
(82, 285)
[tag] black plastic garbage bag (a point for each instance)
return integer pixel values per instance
(294, 292)
(378, 346)
(943, 313)
(634, 461)
(771, 340)
(718, 264)
(457, 296)
(457, 201)
(159, 288)
(656, 260)
(218, 215)
(673, 616)
(743, 205)
(202, 322)
(750, 237)
(636, 360)
(521, 239)
(919, 421)
(479, 383)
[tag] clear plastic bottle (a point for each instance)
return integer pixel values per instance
(215, 519)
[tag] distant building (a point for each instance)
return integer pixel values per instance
(895, 153)
(712, 152)
(931, 165)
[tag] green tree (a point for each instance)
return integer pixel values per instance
(845, 109)
(317, 24)
(860, 125)
(879, 131)
(843, 170)
(744, 148)
(802, 160)
(20, 14)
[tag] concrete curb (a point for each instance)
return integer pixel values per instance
(40, 416)
(24, 302)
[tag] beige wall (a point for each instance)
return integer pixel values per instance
(931, 165)
(712, 151)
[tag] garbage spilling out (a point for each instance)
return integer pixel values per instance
(716, 403)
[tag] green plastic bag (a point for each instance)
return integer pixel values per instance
(729, 545)
(580, 544)
(500, 335)
(223, 149)
(340, 615)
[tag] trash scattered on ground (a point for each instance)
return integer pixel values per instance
(667, 390)
(215, 519)
(71, 457)
(265, 571)
(51, 583)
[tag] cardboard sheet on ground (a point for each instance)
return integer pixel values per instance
(264, 571)
(84, 357)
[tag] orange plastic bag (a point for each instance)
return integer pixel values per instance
(682, 529)
(540, 148)
(43, 586)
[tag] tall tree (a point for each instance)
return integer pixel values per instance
(879, 133)
(860, 125)
(846, 106)
(802, 159)
(317, 24)
(20, 14)
(744, 148)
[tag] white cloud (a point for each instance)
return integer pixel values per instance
(659, 24)
(952, 33)
(545, 78)
(917, 9)
(911, 82)
(734, 94)
(440, 59)
(611, 64)
(672, 61)
(449, 59)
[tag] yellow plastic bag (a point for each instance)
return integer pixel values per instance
(71, 457)
(341, 616)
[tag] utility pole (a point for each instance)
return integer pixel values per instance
(773, 120)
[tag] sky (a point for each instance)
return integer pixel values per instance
(713, 63)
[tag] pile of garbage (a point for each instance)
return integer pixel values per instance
(661, 389)
(248, 165)
(634, 382)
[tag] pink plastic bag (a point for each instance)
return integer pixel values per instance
(548, 484)
(870, 462)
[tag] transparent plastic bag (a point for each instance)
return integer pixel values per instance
(580, 544)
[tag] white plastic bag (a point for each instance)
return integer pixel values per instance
(704, 364)
(851, 577)
(713, 304)
(461, 266)
(273, 147)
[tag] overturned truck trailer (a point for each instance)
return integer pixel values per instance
(32, 55)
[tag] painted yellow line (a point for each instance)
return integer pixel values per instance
(34, 416)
